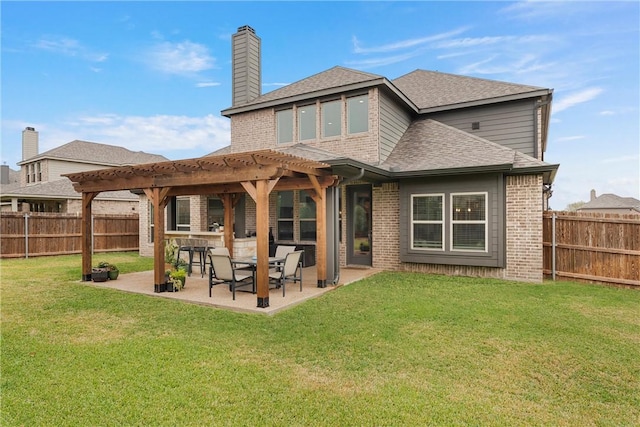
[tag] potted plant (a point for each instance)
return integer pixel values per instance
(100, 274)
(176, 280)
(112, 269)
(170, 248)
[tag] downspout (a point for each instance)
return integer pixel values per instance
(336, 224)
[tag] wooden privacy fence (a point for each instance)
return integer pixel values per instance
(594, 247)
(33, 234)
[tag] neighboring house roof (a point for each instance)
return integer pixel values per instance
(14, 181)
(63, 189)
(611, 201)
(430, 89)
(93, 152)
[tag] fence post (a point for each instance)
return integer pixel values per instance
(553, 246)
(26, 235)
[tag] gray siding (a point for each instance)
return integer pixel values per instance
(510, 124)
(394, 121)
(492, 184)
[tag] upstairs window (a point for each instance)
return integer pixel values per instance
(469, 222)
(39, 166)
(306, 122)
(331, 118)
(284, 123)
(358, 114)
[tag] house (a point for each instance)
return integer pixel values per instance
(40, 187)
(611, 203)
(435, 172)
(428, 172)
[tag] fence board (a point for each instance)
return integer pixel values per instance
(593, 247)
(57, 234)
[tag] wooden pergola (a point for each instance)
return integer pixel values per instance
(228, 176)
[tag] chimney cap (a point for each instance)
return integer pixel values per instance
(30, 128)
(246, 28)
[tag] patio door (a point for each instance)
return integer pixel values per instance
(359, 224)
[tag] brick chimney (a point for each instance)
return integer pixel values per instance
(246, 68)
(4, 174)
(593, 195)
(29, 143)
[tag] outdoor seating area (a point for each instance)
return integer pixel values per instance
(196, 290)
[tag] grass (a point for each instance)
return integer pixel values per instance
(394, 349)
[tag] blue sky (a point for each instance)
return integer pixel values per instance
(154, 76)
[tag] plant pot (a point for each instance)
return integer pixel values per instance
(162, 287)
(99, 275)
(113, 274)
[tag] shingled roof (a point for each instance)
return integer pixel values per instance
(430, 145)
(611, 201)
(63, 189)
(429, 89)
(93, 152)
(333, 80)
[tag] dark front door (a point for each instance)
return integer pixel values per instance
(359, 224)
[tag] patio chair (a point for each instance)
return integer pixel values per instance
(290, 271)
(281, 252)
(223, 272)
(222, 250)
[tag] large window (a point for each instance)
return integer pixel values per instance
(331, 118)
(427, 216)
(306, 122)
(284, 124)
(358, 114)
(307, 208)
(183, 214)
(469, 222)
(285, 215)
(215, 212)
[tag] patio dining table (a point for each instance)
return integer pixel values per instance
(252, 263)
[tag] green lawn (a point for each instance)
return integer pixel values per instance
(394, 349)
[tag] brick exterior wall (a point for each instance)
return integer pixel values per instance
(524, 228)
(104, 207)
(385, 234)
(255, 130)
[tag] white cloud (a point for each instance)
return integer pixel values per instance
(159, 134)
(207, 84)
(570, 138)
(607, 113)
(576, 98)
(404, 44)
(622, 159)
(69, 47)
(184, 58)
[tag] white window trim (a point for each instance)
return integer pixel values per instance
(441, 222)
(485, 221)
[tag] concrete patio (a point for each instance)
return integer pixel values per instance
(196, 290)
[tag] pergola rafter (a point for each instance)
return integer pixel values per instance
(256, 173)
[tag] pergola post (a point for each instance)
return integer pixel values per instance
(262, 242)
(321, 238)
(158, 197)
(87, 233)
(228, 201)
